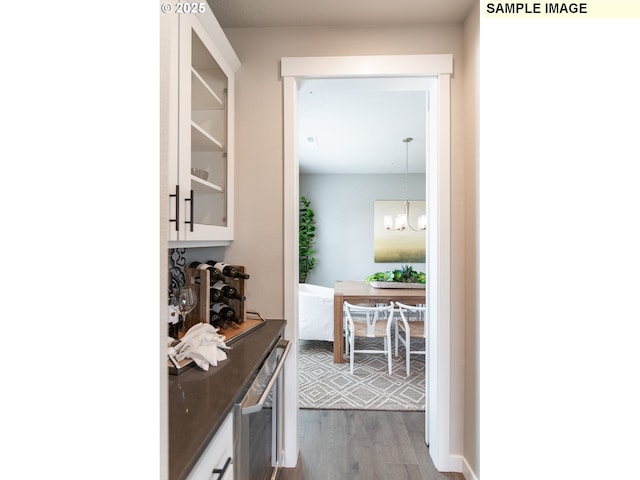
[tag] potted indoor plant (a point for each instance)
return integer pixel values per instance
(307, 233)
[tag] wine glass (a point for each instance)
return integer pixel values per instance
(187, 300)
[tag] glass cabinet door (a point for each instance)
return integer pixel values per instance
(205, 169)
(207, 136)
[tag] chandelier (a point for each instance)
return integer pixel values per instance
(402, 220)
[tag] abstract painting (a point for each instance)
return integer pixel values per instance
(397, 246)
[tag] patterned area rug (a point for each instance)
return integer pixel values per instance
(328, 385)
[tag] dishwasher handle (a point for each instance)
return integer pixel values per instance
(254, 407)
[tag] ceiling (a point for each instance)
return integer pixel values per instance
(307, 13)
(353, 125)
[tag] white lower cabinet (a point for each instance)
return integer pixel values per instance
(216, 463)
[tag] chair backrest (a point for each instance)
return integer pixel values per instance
(413, 314)
(369, 315)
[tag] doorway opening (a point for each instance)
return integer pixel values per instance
(438, 67)
(351, 153)
(352, 159)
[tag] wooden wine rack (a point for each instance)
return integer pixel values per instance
(202, 280)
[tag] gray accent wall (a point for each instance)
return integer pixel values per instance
(344, 214)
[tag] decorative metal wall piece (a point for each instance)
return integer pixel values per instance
(177, 263)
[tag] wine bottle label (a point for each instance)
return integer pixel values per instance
(220, 266)
(223, 310)
(216, 307)
(219, 285)
(199, 266)
(173, 314)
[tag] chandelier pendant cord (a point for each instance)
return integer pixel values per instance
(406, 201)
(402, 221)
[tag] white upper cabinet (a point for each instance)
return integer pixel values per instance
(198, 68)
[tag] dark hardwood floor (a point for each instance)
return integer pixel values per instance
(363, 445)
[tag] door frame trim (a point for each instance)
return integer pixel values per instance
(295, 69)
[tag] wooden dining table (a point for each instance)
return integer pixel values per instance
(362, 293)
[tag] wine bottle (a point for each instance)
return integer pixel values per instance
(220, 290)
(221, 312)
(200, 266)
(214, 272)
(216, 296)
(173, 326)
(227, 270)
(219, 322)
(173, 315)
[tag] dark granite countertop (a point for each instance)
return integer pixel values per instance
(199, 401)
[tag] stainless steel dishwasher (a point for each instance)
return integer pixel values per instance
(258, 421)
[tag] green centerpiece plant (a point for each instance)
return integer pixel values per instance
(406, 274)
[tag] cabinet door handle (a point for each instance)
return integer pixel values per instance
(222, 471)
(190, 222)
(177, 219)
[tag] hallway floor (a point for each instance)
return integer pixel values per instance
(363, 445)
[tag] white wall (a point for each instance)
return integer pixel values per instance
(259, 158)
(471, 153)
(344, 214)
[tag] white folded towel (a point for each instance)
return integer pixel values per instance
(203, 345)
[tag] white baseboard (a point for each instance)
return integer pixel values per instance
(467, 471)
(455, 463)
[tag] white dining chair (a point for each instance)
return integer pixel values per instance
(410, 323)
(368, 322)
